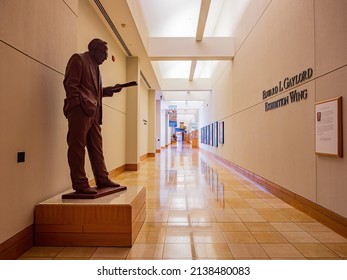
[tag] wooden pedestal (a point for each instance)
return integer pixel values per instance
(112, 220)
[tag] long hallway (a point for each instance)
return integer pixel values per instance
(197, 208)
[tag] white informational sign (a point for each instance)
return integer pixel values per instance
(329, 127)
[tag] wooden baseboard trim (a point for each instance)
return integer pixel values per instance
(143, 157)
(131, 167)
(323, 215)
(117, 171)
(18, 244)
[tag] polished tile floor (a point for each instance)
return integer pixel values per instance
(199, 209)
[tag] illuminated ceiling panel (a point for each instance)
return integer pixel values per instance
(171, 18)
(172, 69)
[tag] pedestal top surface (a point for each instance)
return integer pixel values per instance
(124, 197)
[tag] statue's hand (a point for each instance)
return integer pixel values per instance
(117, 88)
(108, 91)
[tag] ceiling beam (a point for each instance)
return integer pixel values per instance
(185, 96)
(204, 8)
(185, 85)
(192, 70)
(187, 48)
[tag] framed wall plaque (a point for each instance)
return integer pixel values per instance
(221, 132)
(328, 120)
(215, 134)
(208, 133)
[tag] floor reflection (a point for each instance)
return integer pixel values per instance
(197, 208)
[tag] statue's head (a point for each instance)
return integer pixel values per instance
(98, 50)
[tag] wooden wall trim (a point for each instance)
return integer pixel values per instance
(18, 244)
(323, 215)
(143, 157)
(132, 167)
(117, 171)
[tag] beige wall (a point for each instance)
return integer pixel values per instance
(278, 39)
(37, 38)
(331, 68)
(133, 113)
(151, 121)
(143, 115)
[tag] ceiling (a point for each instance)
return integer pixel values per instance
(180, 43)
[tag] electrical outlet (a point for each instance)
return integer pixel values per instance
(21, 157)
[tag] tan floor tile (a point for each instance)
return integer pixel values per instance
(296, 216)
(245, 211)
(258, 204)
(230, 194)
(324, 258)
(223, 212)
(315, 250)
(156, 216)
(274, 217)
(146, 251)
(72, 258)
(237, 203)
(42, 251)
(328, 237)
(186, 226)
(76, 252)
(213, 251)
(208, 237)
(151, 237)
(248, 251)
(313, 226)
(282, 251)
(299, 237)
(206, 227)
(35, 258)
(339, 248)
(232, 227)
(247, 194)
(181, 237)
(286, 227)
(269, 237)
(252, 218)
(154, 227)
(179, 217)
(116, 253)
(260, 227)
(179, 251)
(202, 218)
(227, 218)
(239, 237)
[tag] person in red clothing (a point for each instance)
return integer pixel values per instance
(83, 110)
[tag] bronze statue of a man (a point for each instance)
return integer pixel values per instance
(83, 109)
